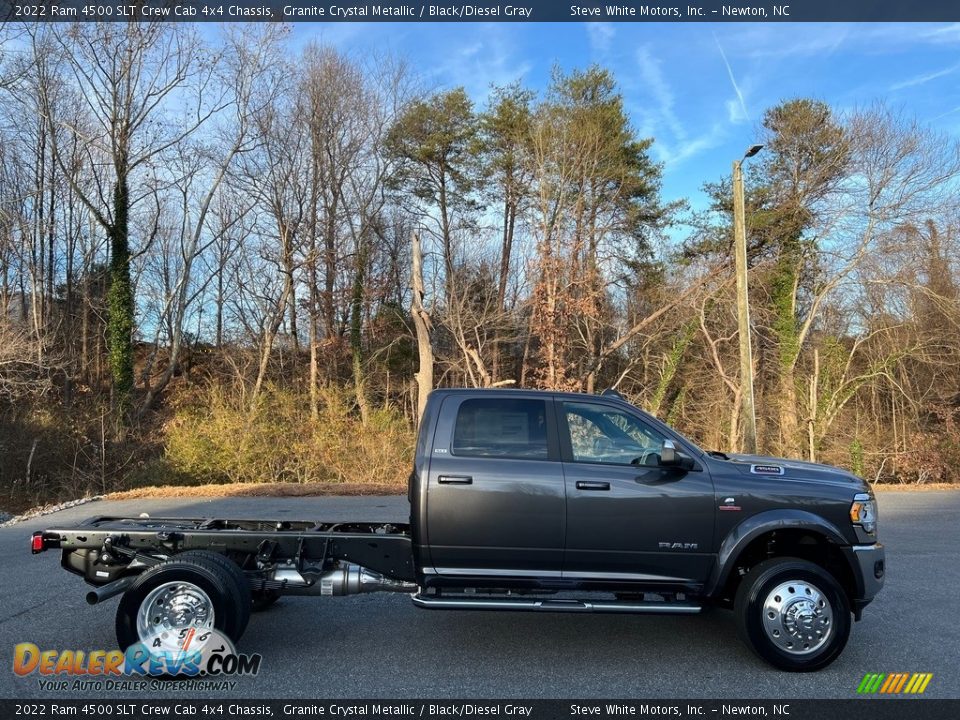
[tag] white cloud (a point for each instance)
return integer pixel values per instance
(925, 77)
(659, 119)
(947, 34)
(780, 41)
(945, 114)
(600, 35)
(735, 112)
(488, 59)
(656, 84)
(775, 41)
(689, 148)
(732, 113)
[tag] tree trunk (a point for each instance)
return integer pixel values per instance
(788, 413)
(120, 313)
(421, 320)
(314, 339)
(506, 249)
(313, 292)
(356, 335)
(812, 419)
(219, 302)
(733, 432)
(330, 269)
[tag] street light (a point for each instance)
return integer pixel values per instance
(748, 410)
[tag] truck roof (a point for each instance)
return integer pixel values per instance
(507, 392)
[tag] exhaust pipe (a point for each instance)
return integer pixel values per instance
(105, 592)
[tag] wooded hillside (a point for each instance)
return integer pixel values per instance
(206, 255)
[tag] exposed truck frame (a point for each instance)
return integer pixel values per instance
(294, 558)
(291, 557)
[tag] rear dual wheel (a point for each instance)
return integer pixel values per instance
(195, 590)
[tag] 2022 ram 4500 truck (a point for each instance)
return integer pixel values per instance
(529, 501)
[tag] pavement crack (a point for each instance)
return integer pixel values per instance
(22, 612)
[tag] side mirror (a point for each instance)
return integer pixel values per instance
(671, 457)
(668, 453)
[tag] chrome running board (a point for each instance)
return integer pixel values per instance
(523, 604)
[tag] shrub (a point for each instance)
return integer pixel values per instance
(217, 438)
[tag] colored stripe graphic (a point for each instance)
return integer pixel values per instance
(870, 683)
(891, 680)
(894, 683)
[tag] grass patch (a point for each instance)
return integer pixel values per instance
(219, 439)
(258, 490)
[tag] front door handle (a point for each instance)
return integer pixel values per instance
(455, 480)
(592, 485)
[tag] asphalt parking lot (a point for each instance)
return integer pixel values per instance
(372, 646)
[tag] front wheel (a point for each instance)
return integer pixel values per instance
(793, 614)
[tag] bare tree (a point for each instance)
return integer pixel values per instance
(424, 326)
(249, 68)
(124, 73)
(24, 369)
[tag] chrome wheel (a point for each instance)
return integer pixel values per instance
(171, 609)
(797, 617)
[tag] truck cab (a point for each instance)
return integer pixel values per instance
(554, 490)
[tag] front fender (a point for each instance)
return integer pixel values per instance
(755, 526)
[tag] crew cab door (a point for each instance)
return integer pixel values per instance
(628, 518)
(495, 499)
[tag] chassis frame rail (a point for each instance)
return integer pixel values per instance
(383, 547)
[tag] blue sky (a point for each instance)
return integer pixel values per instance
(698, 89)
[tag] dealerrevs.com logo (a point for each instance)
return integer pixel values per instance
(203, 657)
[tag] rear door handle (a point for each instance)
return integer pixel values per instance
(455, 480)
(592, 485)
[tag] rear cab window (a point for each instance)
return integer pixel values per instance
(501, 428)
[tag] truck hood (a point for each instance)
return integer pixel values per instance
(774, 467)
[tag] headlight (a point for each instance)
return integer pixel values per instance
(863, 512)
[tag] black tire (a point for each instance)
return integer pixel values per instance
(260, 600)
(210, 576)
(241, 585)
(832, 621)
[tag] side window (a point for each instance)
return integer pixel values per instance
(426, 425)
(601, 434)
(501, 428)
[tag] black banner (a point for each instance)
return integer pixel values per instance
(482, 11)
(134, 709)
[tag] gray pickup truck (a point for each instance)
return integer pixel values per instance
(529, 501)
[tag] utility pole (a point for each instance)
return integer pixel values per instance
(748, 409)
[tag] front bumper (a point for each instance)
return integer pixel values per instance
(869, 566)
